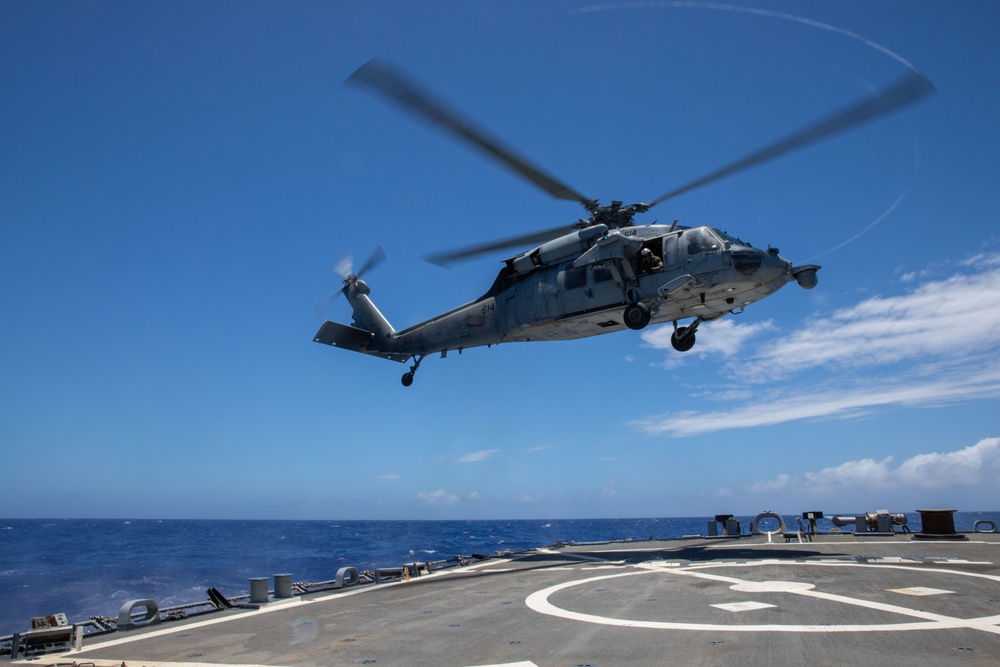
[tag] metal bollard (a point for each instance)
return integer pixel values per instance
(986, 525)
(348, 576)
(282, 586)
(938, 524)
(258, 589)
(150, 616)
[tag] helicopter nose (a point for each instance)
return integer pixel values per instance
(775, 268)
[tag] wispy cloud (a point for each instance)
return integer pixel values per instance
(387, 476)
(481, 455)
(961, 384)
(445, 498)
(934, 345)
(951, 318)
(438, 498)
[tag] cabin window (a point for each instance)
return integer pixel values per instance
(574, 278)
(602, 274)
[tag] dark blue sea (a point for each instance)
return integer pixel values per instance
(85, 567)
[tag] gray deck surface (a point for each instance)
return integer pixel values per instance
(840, 600)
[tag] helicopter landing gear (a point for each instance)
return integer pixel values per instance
(682, 339)
(636, 315)
(407, 378)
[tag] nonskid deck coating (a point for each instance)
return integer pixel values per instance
(837, 600)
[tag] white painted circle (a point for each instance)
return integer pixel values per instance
(539, 601)
(771, 587)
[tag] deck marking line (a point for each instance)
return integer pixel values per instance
(586, 557)
(742, 606)
(60, 659)
(539, 602)
(919, 591)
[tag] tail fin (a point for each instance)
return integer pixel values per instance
(371, 333)
(366, 315)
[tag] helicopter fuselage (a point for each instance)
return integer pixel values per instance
(586, 283)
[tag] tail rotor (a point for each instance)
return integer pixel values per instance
(344, 267)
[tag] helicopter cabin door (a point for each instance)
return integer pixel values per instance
(547, 299)
(671, 254)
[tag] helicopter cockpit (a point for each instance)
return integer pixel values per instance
(701, 239)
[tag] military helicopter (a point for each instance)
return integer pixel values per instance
(601, 274)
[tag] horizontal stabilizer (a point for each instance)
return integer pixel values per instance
(352, 338)
(349, 338)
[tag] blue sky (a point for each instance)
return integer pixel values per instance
(177, 180)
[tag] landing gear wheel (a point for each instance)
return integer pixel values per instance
(636, 315)
(682, 340)
(407, 378)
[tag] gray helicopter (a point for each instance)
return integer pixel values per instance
(600, 274)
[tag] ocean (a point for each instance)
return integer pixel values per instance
(85, 567)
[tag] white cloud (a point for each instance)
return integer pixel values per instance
(609, 491)
(845, 401)
(865, 473)
(779, 483)
(947, 318)
(438, 498)
(935, 345)
(387, 476)
(963, 468)
(481, 455)
(723, 337)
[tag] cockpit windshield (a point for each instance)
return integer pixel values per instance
(701, 239)
(730, 239)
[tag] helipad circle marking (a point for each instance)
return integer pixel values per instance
(539, 601)
(771, 587)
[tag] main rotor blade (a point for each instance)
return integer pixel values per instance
(528, 240)
(907, 91)
(403, 92)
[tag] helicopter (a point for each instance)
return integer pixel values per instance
(601, 274)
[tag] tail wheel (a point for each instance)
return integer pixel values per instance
(407, 379)
(636, 315)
